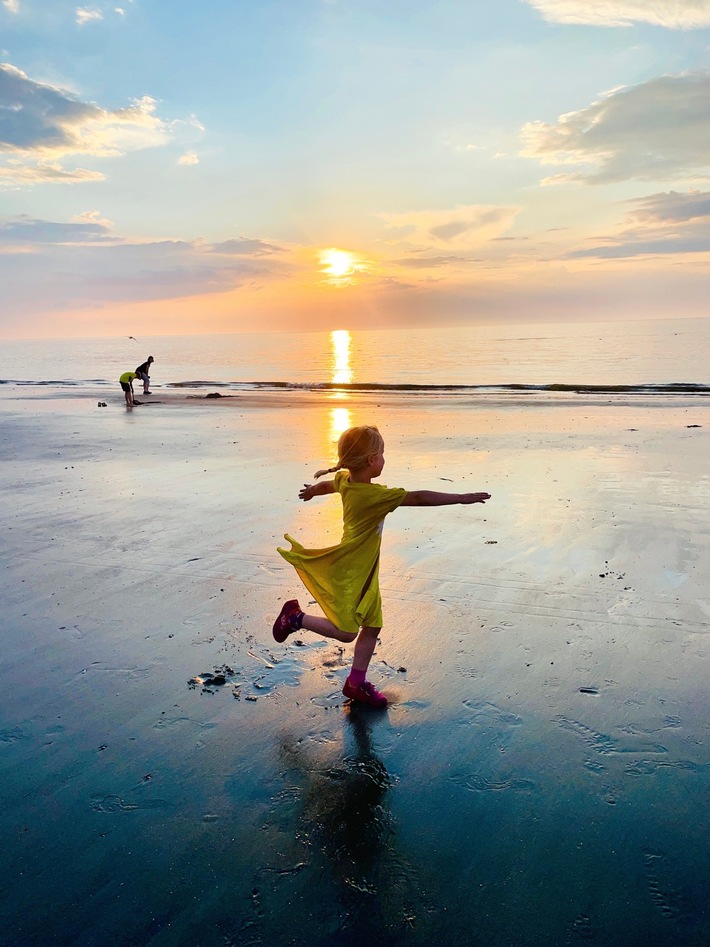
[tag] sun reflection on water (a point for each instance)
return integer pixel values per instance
(339, 421)
(342, 374)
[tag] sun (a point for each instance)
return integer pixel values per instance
(338, 263)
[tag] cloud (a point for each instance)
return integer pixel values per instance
(245, 247)
(189, 158)
(23, 231)
(658, 130)
(15, 174)
(85, 15)
(431, 262)
(659, 224)
(674, 14)
(96, 266)
(13, 6)
(673, 207)
(465, 225)
(43, 124)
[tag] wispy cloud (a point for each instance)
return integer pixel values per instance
(658, 130)
(17, 174)
(42, 124)
(245, 247)
(464, 225)
(674, 14)
(13, 6)
(87, 15)
(432, 262)
(659, 224)
(23, 231)
(189, 159)
(97, 265)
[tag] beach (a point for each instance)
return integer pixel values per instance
(171, 775)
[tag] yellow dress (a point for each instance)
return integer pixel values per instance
(344, 579)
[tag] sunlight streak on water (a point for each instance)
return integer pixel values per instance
(339, 422)
(342, 373)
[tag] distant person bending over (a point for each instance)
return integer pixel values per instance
(344, 579)
(143, 372)
(126, 381)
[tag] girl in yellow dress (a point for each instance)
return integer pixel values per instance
(344, 579)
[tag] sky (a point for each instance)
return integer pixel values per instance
(170, 167)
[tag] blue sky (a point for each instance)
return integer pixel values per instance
(233, 166)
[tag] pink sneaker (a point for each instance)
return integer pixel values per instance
(283, 625)
(366, 693)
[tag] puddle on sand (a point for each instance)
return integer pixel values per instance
(262, 677)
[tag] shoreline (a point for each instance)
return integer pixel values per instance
(630, 397)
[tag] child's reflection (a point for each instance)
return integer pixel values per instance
(345, 820)
(343, 803)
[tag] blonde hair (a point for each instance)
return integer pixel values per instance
(354, 447)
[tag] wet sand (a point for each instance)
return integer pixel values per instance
(542, 773)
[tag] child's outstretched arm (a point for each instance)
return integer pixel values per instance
(434, 498)
(311, 490)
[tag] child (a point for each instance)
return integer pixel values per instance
(344, 579)
(126, 382)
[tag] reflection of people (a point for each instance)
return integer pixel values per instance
(143, 372)
(126, 381)
(344, 579)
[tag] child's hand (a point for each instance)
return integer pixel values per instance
(474, 497)
(307, 493)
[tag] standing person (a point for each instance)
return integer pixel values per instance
(143, 371)
(126, 381)
(344, 579)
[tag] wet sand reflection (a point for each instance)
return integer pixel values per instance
(347, 875)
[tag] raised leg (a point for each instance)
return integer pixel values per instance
(327, 629)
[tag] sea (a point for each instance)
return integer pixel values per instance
(649, 356)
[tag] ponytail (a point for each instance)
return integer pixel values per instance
(322, 473)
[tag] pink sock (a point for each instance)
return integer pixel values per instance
(356, 677)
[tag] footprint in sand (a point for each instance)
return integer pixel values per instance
(477, 783)
(582, 928)
(652, 767)
(484, 712)
(111, 804)
(664, 896)
(13, 735)
(604, 744)
(335, 699)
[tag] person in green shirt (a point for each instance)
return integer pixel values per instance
(126, 381)
(344, 579)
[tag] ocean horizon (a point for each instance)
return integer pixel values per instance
(644, 355)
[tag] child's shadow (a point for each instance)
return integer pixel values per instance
(349, 805)
(343, 814)
(348, 830)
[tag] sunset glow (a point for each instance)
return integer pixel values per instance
(341, 267)
(337, 262)
(156, 196)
